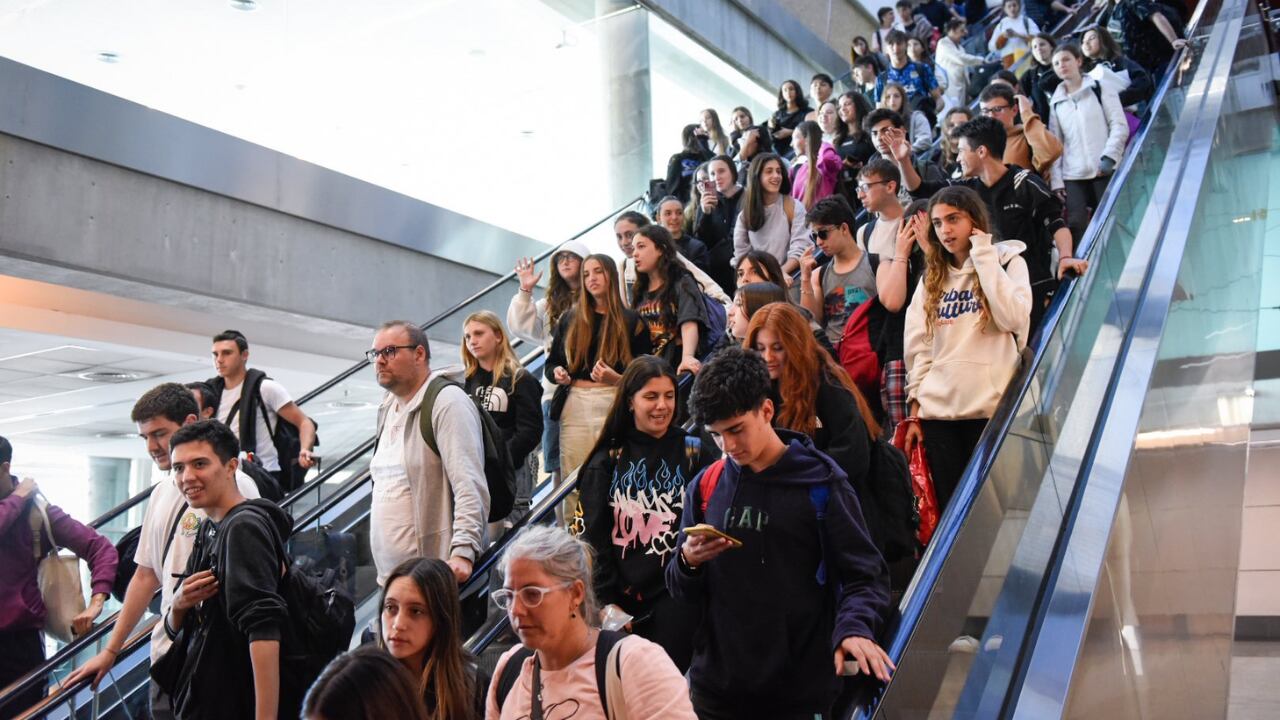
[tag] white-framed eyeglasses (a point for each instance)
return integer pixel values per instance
(531, 596)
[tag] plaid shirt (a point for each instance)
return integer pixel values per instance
(893, 394)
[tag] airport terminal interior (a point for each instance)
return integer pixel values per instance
(302, 171)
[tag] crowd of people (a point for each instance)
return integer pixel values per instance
(855, 268)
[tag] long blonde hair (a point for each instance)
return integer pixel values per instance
(938, 259)
(615, 345)
(507, 364)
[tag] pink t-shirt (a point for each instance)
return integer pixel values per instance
(651, 685)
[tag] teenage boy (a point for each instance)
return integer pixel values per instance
(879, 183)
(833, 291)
(254, 421)
(919, 80)
(805, 591)
(1021, 204)
(168, 534)
(228, 608)
(912, 23)
(1028, 144)
(820, 88)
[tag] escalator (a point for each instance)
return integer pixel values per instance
(1031, 599)
(335, 499)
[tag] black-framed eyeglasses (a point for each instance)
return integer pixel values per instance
(866, 186)
(385, 353)
(989, 111)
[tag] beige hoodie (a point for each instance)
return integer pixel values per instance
(961, 372)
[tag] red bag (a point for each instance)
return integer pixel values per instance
(921, 484)
(707, 486)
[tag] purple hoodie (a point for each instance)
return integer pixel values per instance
(21, 606)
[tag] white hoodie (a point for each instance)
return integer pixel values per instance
(961, 372)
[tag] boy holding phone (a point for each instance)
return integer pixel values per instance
(804, 592)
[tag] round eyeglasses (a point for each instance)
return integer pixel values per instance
(531, 596)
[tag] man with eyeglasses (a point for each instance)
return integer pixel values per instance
(427, 502)
(1028, 144)
(1021, 204)
(879, 183)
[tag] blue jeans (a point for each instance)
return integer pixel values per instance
(550, 440)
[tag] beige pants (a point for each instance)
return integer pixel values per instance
(584, 412)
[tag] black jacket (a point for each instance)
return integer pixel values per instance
(637, 330)
(632, 497)
(715, 229)
(1140, 87)
(247, 555)
(680, 170)
(516, 407)
(841, 433)
(695, 251)
(1038, 84)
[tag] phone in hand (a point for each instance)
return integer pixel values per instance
(708, 187)
(705, 530)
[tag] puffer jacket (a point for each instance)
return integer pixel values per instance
(1091, 125)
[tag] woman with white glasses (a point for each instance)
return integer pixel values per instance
(548, 596)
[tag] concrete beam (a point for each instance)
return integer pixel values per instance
(761, 38)
(68, 219)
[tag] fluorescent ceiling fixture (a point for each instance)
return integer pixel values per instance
(52, 349)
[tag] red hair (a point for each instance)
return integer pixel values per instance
(799, 377)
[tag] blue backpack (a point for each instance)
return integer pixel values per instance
(717, 326)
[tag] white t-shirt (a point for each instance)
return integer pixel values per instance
(884, 238)
(274, 397)
(162, 511)
(394, 537)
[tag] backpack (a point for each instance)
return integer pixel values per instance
(859, 348)
(127, 548)
(285, 437)
(893, 516)
(608, 671)
(716, 331)
(499, 472)
(268, 486)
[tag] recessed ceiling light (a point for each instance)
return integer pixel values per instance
(115, 436)
(109, 377)
(109, 57)
(350, 405)
(245, 5)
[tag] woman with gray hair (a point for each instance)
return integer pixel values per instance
(548, 596)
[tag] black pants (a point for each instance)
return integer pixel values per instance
(670, 623)
(710, 707)
(1041, 294)
(20, 652)
(1083, 197)
(948, 444)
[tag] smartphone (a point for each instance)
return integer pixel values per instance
(708, 186)
(706, 530)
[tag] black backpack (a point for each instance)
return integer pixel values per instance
(893, 518)
(127, 548)
(499, 471)
(604, 645)
(284, 436)
(268, 486)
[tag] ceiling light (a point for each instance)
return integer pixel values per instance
(115, 435)
(109, 57)
(245, 5)
(350, 405)
(109, 376)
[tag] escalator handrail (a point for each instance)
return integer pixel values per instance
(441, 317)
(971, 482)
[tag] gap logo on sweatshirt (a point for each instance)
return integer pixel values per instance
(955, 303)
(647, 508)
(745, 518)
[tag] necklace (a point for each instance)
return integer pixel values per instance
(536, 711)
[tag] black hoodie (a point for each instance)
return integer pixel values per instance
(771, 628)
(246, 552)
(632, 500)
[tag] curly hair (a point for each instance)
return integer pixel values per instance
(938, 259)
(733, 382)
(171, 401)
